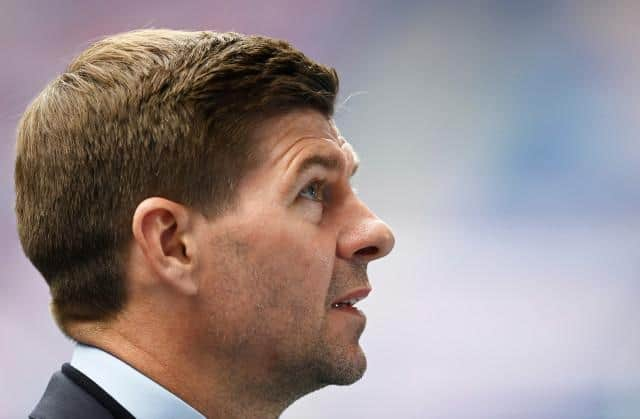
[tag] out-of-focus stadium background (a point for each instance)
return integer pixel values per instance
(500, 140)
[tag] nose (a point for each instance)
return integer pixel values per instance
(365, 237)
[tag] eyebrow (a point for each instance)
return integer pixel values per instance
(328, 162)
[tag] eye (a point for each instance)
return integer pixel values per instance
(313, 191)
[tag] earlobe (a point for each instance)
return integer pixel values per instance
(162, 231)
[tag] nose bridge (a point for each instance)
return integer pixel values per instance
(364, 237)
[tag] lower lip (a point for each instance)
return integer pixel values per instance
(349, 309)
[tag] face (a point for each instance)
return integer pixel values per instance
(297, 243)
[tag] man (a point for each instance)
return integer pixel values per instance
(186, 197)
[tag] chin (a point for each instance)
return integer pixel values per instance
(346, 367)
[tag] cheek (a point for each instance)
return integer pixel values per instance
(296, 265)
(310, 211)
(268, 286)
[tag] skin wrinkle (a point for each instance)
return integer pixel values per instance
(298, 144)
(346, 154)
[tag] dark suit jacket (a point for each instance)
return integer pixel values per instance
(72, 395)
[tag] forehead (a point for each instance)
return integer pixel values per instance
(299, 129)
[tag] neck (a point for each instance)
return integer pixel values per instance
(217, 388)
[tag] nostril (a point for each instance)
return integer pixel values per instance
(367, 251)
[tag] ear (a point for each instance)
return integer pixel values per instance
(162, 229)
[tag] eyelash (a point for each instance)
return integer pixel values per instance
(320, 189)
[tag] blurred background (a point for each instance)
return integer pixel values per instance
(500, 140)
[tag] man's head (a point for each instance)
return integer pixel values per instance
(146, 113)
(191, 191)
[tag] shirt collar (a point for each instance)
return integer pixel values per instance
(141, 396)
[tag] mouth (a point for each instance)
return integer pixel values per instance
(347, 302)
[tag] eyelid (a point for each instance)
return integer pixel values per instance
(322, 183)
(315, 173)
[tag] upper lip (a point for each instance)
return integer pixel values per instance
(353, 296)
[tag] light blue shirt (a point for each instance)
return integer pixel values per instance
(141, 396)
